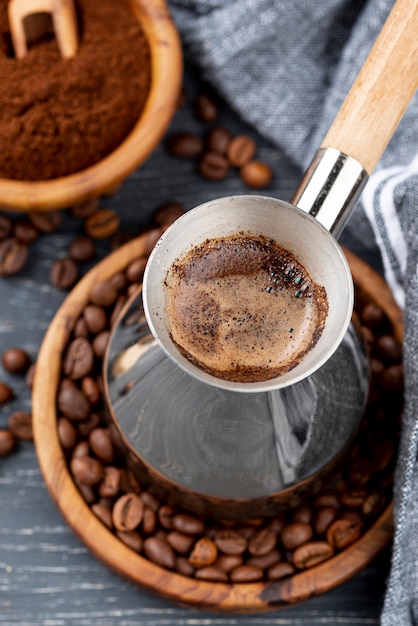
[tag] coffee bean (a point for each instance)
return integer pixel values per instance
(129, 482)
(101, 224)
(150, 501)
(187, 145)
(7, 442)
(85, 208)
(6, 226)
(131, 538)
(167, 213)
(103, 513)
(246, 574)
(90, 390)
(95, 318)
(230, 542)
(118, 281)
(188, 524)
(204, 553)
(103, 293)
(16, 360)
(392, 379)
(80, 328)
(183, 566)
(87, 492)
(72, 402)
(82, 249)
(149, 521)
(211, 573)
(311, 554)
(374, 504)
(101, 445)
(227, 562)
(110, 485)
(354, 498)
(45, 222)
(213, 166)
(262, 542)
(64, 273)
(128, 512)
(160, 552)
(372, 315)
(30, 375)
(323, 518)
(241, 150)
(302, 513)
(78, 360)
(87, 425)
(265, 560)
(100, 342)
(13, 256)
(180, 542)
(280, 570)
(217, 140)
(87, 470)
(25, 232)
(135, 269)
(295, 534)
(342, 533)
(81, 449)
(388, 348)
(6, 393)
(67, 434)
(256, 174)
(205, 108)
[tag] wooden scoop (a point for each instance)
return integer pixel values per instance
(30, 19)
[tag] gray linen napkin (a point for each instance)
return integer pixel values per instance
(285, 66)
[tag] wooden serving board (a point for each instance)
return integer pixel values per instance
(223, 597)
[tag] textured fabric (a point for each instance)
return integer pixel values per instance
(285, 66)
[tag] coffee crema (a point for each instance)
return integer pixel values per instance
(242, 308)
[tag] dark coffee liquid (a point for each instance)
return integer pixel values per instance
(243, 309)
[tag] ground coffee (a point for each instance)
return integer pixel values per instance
(243, 309)
(59, 116)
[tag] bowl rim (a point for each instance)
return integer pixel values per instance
(219, 597)
(166, 78)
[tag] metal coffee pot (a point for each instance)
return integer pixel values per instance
(242, 450)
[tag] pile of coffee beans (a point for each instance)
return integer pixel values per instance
(223, 550)
(219, 151)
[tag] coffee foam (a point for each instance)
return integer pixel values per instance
(243, 309)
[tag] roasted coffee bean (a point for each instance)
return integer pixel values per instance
(160, 552)
(311, 554)
(45, 222)
(101, 445)
(227, 562)
(72, 402)
(6, 393)
(100, 342)
(277, 523)
(82, 249)
(6, 226)
(13, 256)
(302, 513)
(103, 293)
(64, 273)
(30, 375)
(372, 315)
(183, 566)
(388, 348)
(373, 504)
(280, 570)
(392, 379)
(211, 573)
(256, 174)
(131, 538)
(323, 518)
(204, 553)
(354, 498)
(186, 145)
(103, 513)
(20, 425)
(188, 524)
(67, 434)
(241, 150)
(101, 224)
(135, 269)
(25, 232)
(95, 318)
(262, 542)
(16, 360)
(180, 542)
(294, 534)
(217, 140)
(80, 328)
(206, 108)
(129, 482)
(128, 512)
(325, 499)
(81, 449)
(230, 542)
(87, 470)
(85, 208)
(342, 533)
(265, 560)
(149, 521)
(78, 359)
(110, 485)
(90, 390)
(7, 442)
(246, 574)
(86, 491)
(118, 281)
(90, 423)
(213, 166)
(150, 501)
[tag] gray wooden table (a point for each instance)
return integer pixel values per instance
(47, 576)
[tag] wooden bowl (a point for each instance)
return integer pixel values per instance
(166, 77)
(223, 597)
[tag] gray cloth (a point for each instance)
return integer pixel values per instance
(285, 66)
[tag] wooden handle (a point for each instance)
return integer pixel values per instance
(381, 91)
(64, 22)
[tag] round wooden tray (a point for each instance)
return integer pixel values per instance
(224, 597)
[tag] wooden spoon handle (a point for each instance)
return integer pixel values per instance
(64, 22)
(381, 91)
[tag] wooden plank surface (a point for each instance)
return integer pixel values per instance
(47, 576)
